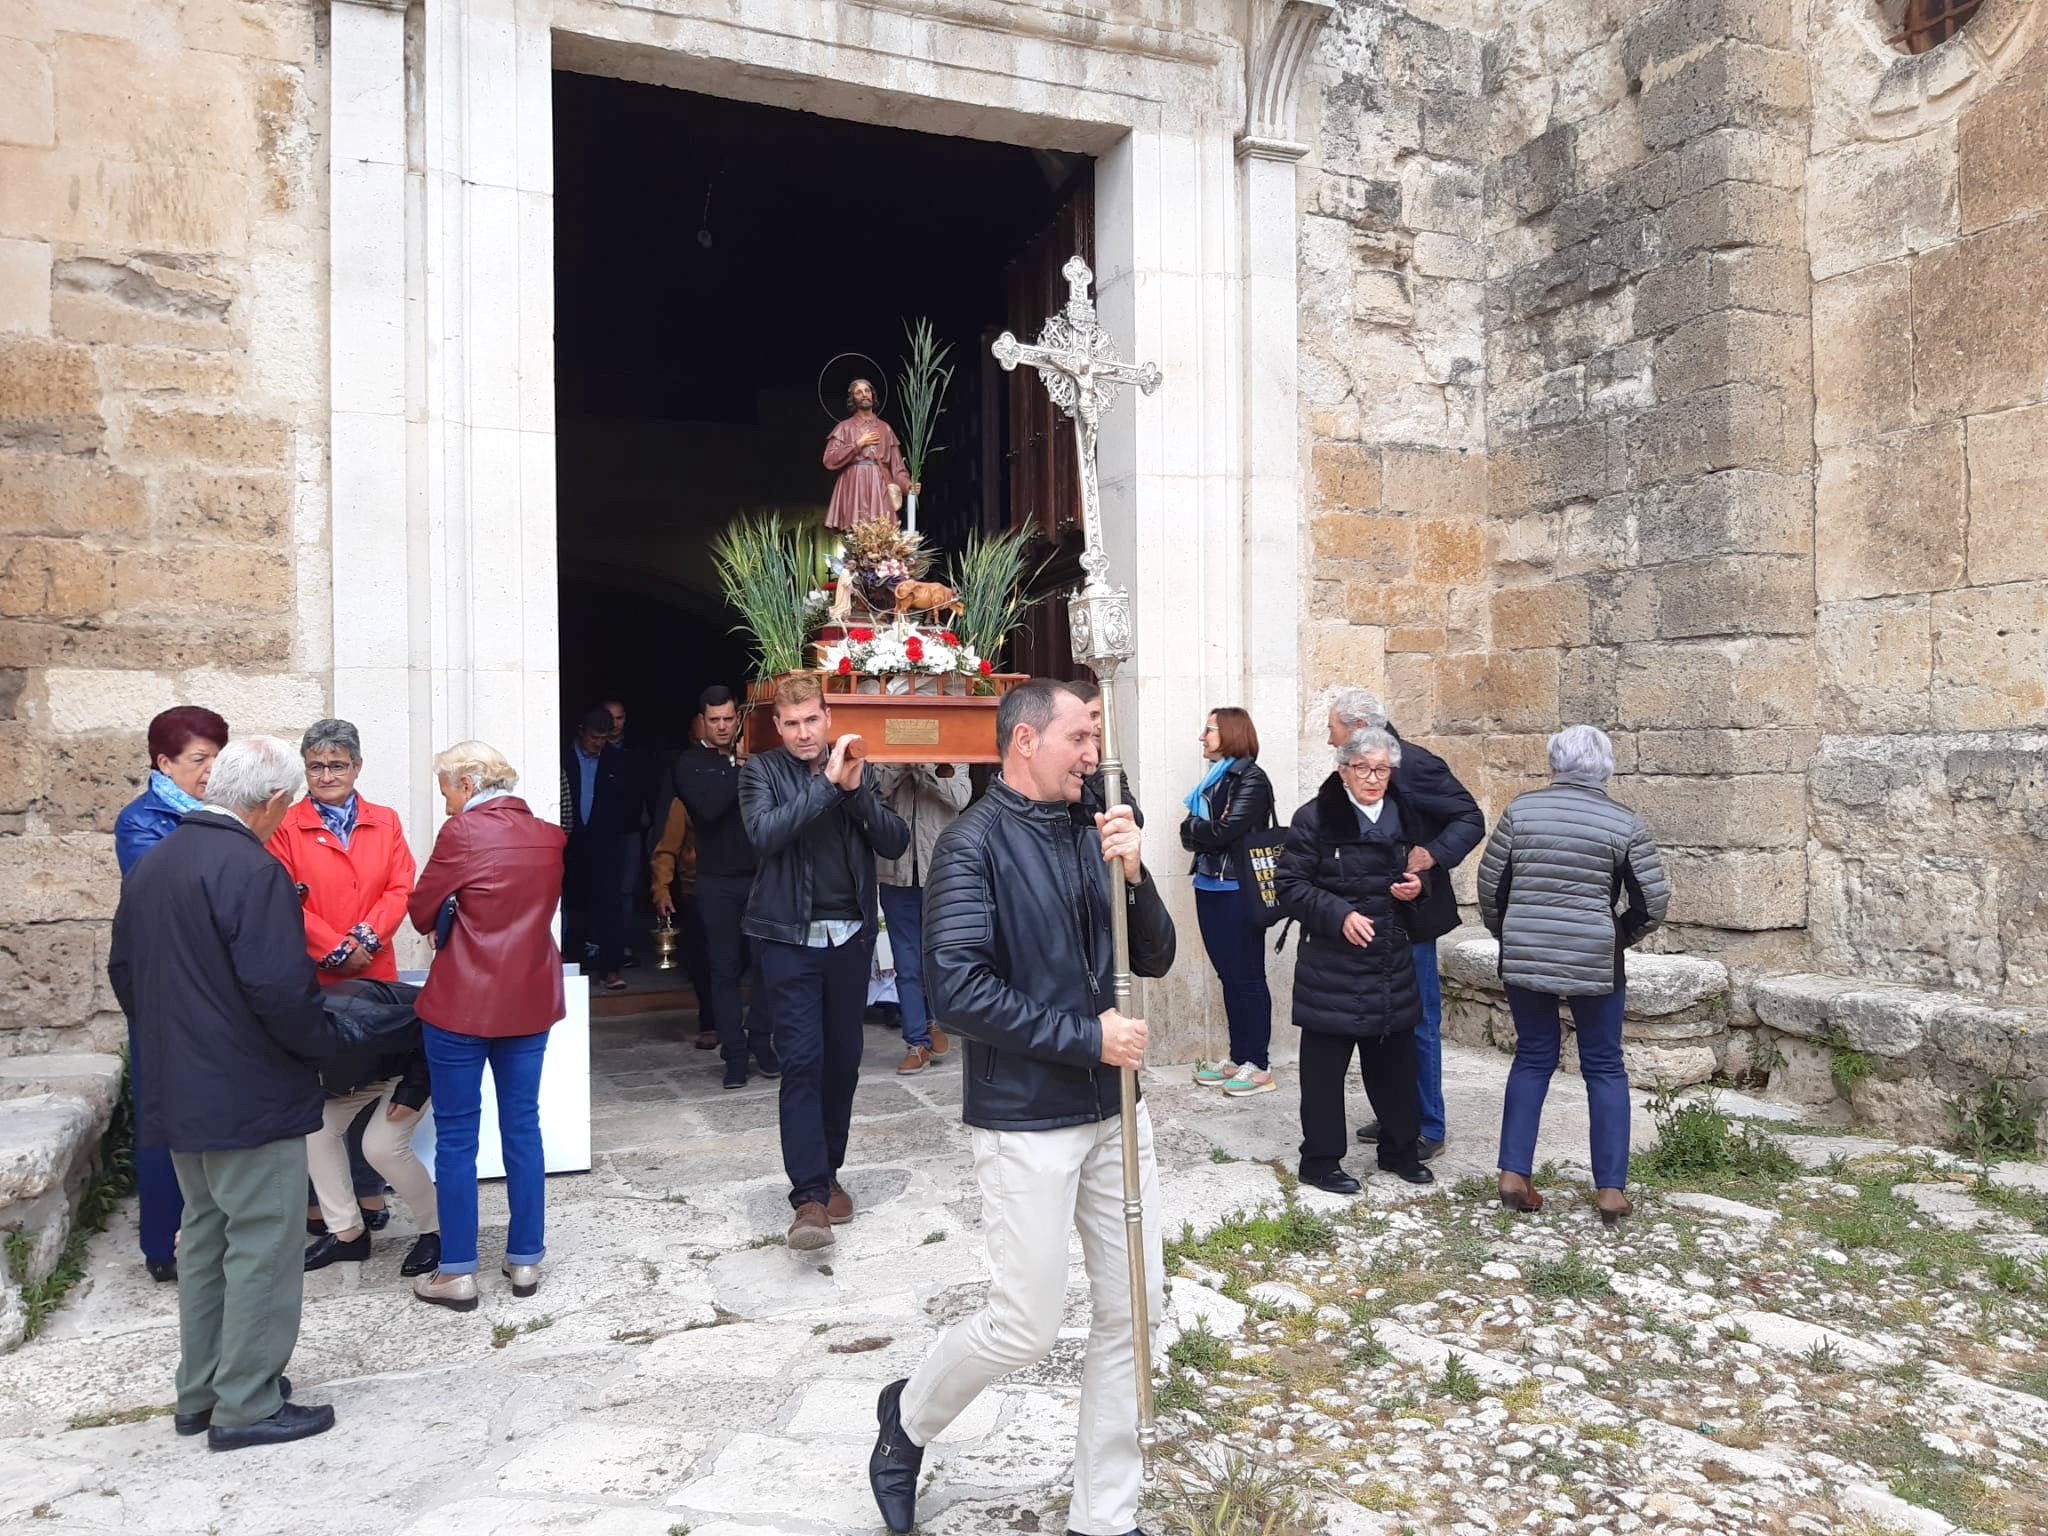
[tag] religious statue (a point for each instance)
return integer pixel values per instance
(863, 452)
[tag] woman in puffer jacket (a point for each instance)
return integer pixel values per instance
(1343, 877)
(1559, 860)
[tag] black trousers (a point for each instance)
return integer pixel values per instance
(1387, 1067)
(693, 953)
(816, 997)
(722, 903)
(592, 893)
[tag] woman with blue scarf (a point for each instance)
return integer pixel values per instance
(1233, 801)
(183, 743)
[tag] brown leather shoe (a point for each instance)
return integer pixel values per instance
(918, 1058)
(812, 1227)
(840, 1206)
(707, 1039)
(940, 1044)
(1614, 1207)
(1519, 1195)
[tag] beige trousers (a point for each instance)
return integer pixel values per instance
(387, 1147)
(1035, 1187)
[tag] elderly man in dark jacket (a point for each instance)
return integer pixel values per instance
(209, 962)
(1017, 959)
(1344, 877)
(1444, 825)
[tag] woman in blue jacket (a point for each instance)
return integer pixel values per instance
(183, 743)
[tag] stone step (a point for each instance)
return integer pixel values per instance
(48, 1143)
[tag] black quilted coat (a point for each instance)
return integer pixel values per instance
(1329, 870)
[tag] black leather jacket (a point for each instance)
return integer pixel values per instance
(1242, 804)
(1017, 958)
(779, 797)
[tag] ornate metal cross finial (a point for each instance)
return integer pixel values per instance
(1077, 362)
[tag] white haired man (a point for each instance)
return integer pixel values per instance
(209, 962)
(1446, 825)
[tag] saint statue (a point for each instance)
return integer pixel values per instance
(863, 452)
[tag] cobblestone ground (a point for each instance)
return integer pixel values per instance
(1851, 1339)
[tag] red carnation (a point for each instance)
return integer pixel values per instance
(860, 636)
(987, 670)
(845, 665)
(914, 648)
(949, 637)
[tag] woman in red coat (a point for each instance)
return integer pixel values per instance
(349, 859)
(493, 993)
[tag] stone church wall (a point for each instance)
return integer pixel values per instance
(162, 405)
(1753, 463)
(1929, 244)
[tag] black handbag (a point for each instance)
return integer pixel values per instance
(1262, 863)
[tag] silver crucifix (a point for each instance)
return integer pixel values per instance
(1077, 362)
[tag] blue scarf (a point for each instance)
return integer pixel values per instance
(340, 819)
(165, 789)
(1196, 802)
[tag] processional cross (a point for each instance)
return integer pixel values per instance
(1077, 362)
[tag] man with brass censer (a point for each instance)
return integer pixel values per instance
(1031, 903)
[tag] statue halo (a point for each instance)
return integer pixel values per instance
(874, 376)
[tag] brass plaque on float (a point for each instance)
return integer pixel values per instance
(899, 732)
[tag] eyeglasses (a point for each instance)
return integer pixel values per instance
(1371, 775)
(329, 770)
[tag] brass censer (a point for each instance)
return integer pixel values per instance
(665, 938)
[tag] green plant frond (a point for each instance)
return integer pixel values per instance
(922, 386)
(991, 578)
(766, 570)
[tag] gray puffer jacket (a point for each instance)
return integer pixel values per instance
(1558, 861)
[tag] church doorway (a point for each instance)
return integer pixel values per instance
(712, 260)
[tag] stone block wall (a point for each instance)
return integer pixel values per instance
(1757, 476)
(1927, 224)
(163, 256)
(1392, 357)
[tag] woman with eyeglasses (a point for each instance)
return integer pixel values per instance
(1344, 877)
(1232, 803)
(349, 859)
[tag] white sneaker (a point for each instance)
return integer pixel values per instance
(1214, 1074)
(1248, 1081)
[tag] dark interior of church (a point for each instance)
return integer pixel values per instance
(712, 259)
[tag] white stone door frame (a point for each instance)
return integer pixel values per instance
(442, 350)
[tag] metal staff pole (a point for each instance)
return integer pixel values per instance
(1077, 362)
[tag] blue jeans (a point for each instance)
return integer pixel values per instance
(161, 1202)
(456, 1064)
(1538, 1035)
(1429, 1042)
(1237, 950)
(816, 998)
(903, 910)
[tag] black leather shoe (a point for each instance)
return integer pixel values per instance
(378, 1219)
(291, 1422)
(1429, 1148)
(1335, 1182)
(1416, 1175)
(332, 1250)
(196, 1423)
(766, 1062)
(735, 1074)
(895, 1464)
(161, 1270)
(425, 1256)
(1370, 1131)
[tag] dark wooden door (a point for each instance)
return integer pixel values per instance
(1040, 463)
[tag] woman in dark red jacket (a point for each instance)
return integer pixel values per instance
(493, 993)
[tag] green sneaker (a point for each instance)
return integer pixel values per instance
(1214, 1074)
(1248, 1081)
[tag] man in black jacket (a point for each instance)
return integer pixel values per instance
(1017, 959)
(602, 805)
(707, 781)
(1447, 825)
(817, 825)
(209, 963)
